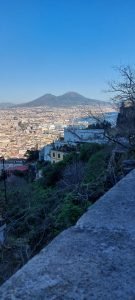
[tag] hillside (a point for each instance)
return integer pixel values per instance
(67, 99)
(92, 260)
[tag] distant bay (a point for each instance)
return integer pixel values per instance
(109, 116)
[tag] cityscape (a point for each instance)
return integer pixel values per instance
(67, 150)
(22, 129)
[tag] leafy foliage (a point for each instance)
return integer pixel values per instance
(100, 125)
(89, 149)
(32, 155)
(38, 211)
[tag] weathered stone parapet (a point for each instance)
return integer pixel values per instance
(93, 260)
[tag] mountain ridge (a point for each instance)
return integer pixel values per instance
(66, 99)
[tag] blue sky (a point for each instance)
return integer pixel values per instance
(55, 46)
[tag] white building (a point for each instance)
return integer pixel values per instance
(44, 153)
(74, 135)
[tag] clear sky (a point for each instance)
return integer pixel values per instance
(55, 46)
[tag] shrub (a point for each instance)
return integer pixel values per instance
(96, 167)
(89, 149)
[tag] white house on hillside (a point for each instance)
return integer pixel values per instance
(45, 152)
(74, 135)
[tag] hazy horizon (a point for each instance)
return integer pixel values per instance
(55, 46)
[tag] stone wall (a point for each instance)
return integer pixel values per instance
(125, 118)
(93, 260)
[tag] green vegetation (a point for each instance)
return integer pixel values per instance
(32, 155)
(37, 211)
(87, 150)
(100, 125)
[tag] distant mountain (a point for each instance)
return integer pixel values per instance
(4, 105)
(45, 100)
(67, 99)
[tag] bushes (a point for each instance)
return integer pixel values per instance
(96, 166)
(32, 155)
(96, 174)
(89, 149)
(69, 211)
(52, 174)
(100, 125)
(68, 215)
(38, 211)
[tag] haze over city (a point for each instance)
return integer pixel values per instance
(55, 46)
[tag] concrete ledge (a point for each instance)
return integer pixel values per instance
(116, 209)
(93, 260)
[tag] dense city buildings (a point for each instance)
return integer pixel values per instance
(26, 128)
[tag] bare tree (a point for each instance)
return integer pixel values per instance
(124, 90)
(123, 97)
(73, 174)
